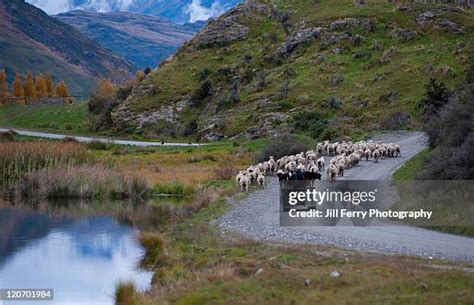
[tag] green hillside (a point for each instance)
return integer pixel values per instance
(325, 68)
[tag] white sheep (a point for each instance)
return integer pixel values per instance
(244, 182)
(321, 163)
(376, 155)
(261, 181)
(331, 172)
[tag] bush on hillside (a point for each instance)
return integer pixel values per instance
(283, 145)
(448, 122)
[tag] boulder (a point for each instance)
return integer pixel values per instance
(342, 24)
(300, 36)
(336, 79)
(449, 26)
(402, 34)
(389, 97)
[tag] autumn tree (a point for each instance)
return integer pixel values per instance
(41, 88)
(17, 89)
(29, 87)
(63, 92)
(49, 85)
(3, 87)
(105, 88)
(140, 75)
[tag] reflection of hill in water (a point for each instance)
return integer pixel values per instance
(19, 228)
(75, 249)
(94, 226)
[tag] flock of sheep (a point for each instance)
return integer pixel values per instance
(309, 165)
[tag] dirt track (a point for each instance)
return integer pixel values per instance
(257, 217)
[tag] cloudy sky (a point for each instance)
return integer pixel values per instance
(196, 10)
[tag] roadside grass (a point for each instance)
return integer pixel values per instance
(195, 264)
(64, 118)
(409, 170)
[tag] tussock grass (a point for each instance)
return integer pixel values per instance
(86, 181)
(126, 294)
(17, 159)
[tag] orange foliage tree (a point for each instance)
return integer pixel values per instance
(18, 88)
(29, 87)
(49, 85)
(105, 88)
(3, 87)
(41, 88)
(63, 92)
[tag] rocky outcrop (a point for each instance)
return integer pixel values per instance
(344, 24)
(302, 35)
(266, 126)
(228, 27)
(436, 16)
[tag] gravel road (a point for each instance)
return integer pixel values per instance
(82, 139)
(257, 217)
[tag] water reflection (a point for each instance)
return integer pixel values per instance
(80, 250)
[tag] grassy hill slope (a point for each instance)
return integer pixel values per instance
(325, 68)
(143, 40)
(32, 40)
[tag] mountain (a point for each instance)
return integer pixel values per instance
(320, 68)
(143, 40)
(32, 40)
(180, 11)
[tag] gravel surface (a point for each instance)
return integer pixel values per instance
(257, 217)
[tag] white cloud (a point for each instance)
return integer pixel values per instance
(199, 12)
(52, 6)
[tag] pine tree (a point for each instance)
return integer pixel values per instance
(29, 87)
(17, 89)
(3, 87)
(41, 88)
(49, 85)
(63, 92)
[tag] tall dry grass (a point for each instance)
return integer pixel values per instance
(19, 158)
(81, 182)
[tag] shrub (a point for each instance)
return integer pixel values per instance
(97, 145)
(311, 123)
(7, 136)
(282, 146)
(448, 122)
(225, 172)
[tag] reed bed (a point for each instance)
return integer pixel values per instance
(19, 158)
(81, 182)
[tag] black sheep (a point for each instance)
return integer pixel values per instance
(311, 176)
(282, 176)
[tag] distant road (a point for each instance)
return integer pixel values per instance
(82, 139)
